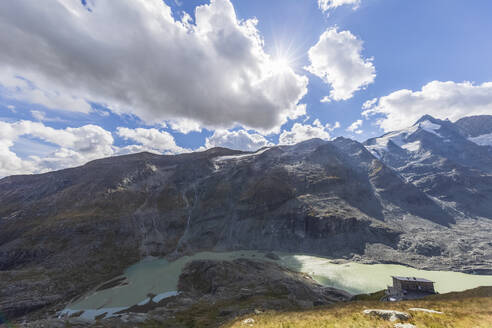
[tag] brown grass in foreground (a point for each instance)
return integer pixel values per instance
(469, 309)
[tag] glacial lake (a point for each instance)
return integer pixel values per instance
(160, 277)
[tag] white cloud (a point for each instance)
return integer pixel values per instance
(355, 127)
(185, 126)
(48, 149)
(337, 59)
(38, 115)
(73, 146)
(300, 132)
(326, 5)
(48, 95)
(240, 140)
(440, 99)
(150, 140)
(41, 116)
(132, 56)
(336, 126)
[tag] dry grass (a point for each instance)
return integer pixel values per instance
(461, 310)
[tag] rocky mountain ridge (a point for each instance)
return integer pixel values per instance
(439, 158)
(420, 196)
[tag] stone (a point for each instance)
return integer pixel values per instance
(248, 322)
(390, 315)
(404, 325)
(424, 310)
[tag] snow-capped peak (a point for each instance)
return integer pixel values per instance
(430, 127)
(378, 146)
(482, 140)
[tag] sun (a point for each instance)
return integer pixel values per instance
(284, 56)
(280, 65)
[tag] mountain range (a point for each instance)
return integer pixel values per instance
(421, 196)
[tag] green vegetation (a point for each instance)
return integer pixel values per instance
(472, 308)
(210, 315)
(370, 297)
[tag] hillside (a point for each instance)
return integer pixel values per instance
(472, 308)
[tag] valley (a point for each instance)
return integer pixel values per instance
(415, 199)
(160, 278)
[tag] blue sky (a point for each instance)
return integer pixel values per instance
(84, 80)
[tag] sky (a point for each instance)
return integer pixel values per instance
(82, 80)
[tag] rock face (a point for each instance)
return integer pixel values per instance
(475, 126)
(477, 129)
(410, 197)
(437, 157)
(445, 161)
(244, 278)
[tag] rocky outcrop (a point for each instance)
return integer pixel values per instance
(475, 126)
(227, 289)
(244, 278)
(390, 315)
(438, 158)
(425, 310)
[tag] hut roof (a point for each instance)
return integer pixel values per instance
(411, 279)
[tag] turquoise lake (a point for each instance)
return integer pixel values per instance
(160, 277)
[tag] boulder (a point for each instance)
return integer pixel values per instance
(248, 322)
(390, 315)
(404, 325)
(424, 310)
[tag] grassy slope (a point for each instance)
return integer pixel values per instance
(472, 308)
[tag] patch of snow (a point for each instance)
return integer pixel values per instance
(430, 127)
(152, 167)
(225, 158)
(400, 138)
(216, 166)
(91, 314)
(162, 296)
(145, 301)
(12, 216)
(380, 147)
(412, 146)
(374, 152)
(483, 140)
(397, 137)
